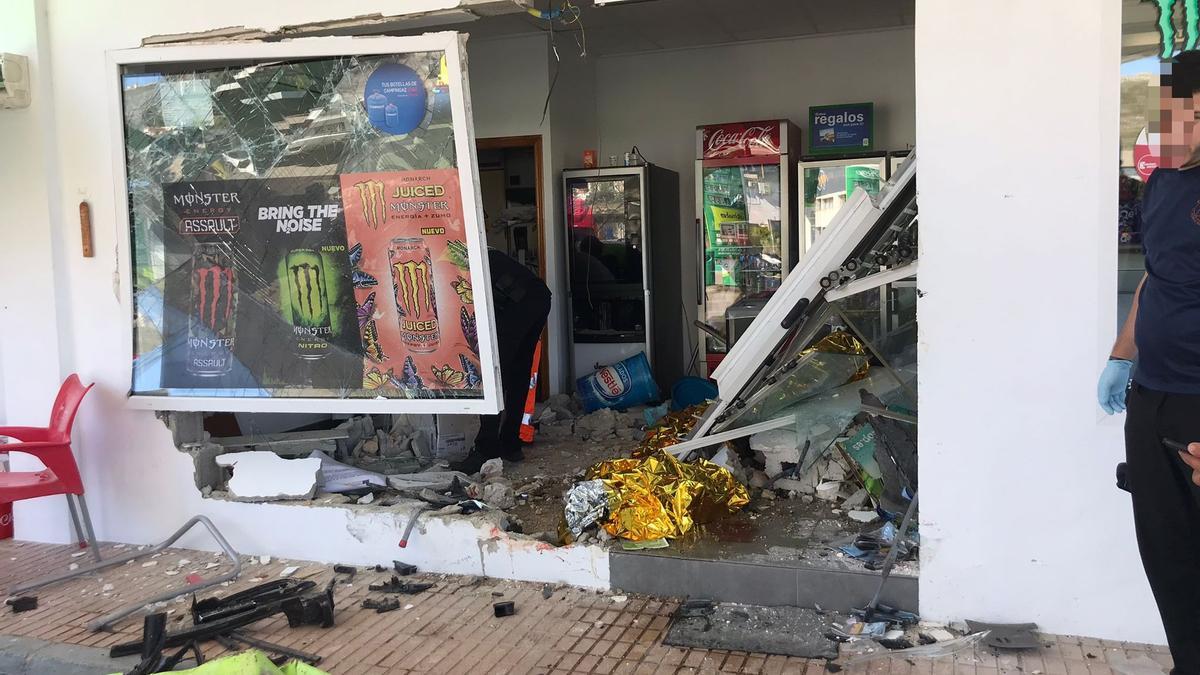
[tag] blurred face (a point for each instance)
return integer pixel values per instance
(1179, 130)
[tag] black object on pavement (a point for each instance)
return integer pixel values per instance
(22, 604)
(381, 606)
(506, 608)
(404, 569)
(1007, 635)
(394, 585)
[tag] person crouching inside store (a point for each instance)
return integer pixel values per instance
(1163, 333)
(522, 303)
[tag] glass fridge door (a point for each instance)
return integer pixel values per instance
(827, 185)
(604, 220)
(743, 246)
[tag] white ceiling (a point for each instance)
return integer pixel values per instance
(671, 24)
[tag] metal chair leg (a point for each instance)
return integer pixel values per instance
(80, 537)
(87, 523)
(108, 619)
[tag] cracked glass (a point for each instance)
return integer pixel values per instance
(297, 230)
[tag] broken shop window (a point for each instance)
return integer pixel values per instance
(303, 229)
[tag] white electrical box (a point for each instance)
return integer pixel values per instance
(14, 81)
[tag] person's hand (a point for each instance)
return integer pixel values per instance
(1192, 459)
(1113, 383)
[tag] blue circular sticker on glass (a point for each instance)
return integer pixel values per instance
(395, 98)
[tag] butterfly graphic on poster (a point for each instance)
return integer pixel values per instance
(447, 376)
(373, 379)
(371, 344)
(363, 280)
(473, 378)
(463, 288)
(366, 310)
(360, 278)
(409, 379)
(470, 332)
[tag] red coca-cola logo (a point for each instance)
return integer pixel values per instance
(741, 140)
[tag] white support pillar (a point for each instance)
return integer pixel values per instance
(1017, 122)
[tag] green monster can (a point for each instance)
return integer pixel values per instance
(306, 287)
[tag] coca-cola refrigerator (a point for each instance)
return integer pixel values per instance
(747, 216)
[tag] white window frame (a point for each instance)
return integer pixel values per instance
(847, 230)
(452, 44)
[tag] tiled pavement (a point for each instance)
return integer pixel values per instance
(451, 629)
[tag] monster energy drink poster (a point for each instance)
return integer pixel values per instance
(258, 288)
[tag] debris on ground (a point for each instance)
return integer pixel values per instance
(394, 585)
(505, 608)
(23, 603)
(1007, 635)
(381, 606)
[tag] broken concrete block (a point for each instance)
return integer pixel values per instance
(857, 499)
(493, 468)
(863, 516)
(828, 491)
(793, 485)
(499, 496)
(833, 471)
(778, 447)
(602, 423)
(261, 474)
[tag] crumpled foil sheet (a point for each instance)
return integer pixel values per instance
(659, 496)
(842, 342)
(586, 502)
(671, 429)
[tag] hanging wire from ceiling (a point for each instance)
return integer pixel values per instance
(568, 14)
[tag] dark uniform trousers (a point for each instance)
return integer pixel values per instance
(1166, 512)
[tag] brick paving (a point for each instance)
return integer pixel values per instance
(450, 629)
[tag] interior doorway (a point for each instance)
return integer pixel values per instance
(514, 203)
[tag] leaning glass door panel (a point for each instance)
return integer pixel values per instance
(743, 245)
(826, 186)
(605, 230)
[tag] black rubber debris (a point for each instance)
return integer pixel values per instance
(506, 608)
(381, 606)
(404, 569)
(394, 585)
(22, 604)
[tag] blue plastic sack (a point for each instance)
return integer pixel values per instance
(619, 386)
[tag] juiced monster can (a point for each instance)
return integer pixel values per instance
(306, 288)
(416, 302)
(214, 310)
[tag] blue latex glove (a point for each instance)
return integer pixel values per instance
(1113, 383)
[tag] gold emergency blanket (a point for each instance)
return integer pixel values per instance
(842, 342)
(659, 496)
(671, 429)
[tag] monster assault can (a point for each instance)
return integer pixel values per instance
(307, 284)
(214, 308)
(416, 302)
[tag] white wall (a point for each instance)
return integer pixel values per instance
(139, 486)
(29, 286)
(656, 100)
(573, 129)
(1017, 131)
(510, 79)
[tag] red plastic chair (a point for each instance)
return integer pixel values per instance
(51, 445)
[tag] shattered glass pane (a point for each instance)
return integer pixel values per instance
(297, 230)
(885, 319)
